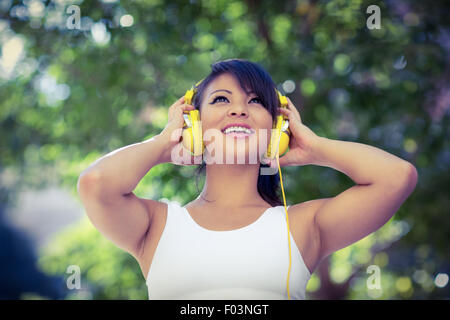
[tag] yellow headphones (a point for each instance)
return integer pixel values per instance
(279, 141)
(192, 130)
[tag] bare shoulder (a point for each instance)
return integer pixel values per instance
(307, 209)
(303, 216)
(154, 206)
(305, 231)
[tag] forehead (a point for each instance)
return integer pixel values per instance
(225, 81)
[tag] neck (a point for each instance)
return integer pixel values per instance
(232, 185)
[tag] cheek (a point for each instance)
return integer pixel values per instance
(263, 133)
(267, 132)
(207, 121)
(211, 128)
(266, 123)
(265, 118)
(211, 118)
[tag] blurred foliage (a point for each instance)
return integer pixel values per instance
(106, 271)
(19, 273)
(68, 97)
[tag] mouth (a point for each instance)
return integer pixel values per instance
(238, 131)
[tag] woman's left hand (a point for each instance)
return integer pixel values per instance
(302, 141)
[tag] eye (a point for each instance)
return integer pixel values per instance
(217, 98)
(260, 101)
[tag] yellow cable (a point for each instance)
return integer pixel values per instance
(287, 220)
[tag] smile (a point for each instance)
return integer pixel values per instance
(238, 132)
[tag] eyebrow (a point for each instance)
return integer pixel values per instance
(221, 90)
(228, 92)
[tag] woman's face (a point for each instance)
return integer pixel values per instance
(224, 103)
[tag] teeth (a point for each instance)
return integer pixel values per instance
(237, 129)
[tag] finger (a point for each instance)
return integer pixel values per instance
(288, 113)
(182, 108)
(179, 109)
(186, 107)
(294, 109)
(293, 120)
(179, 102)
(283, 161)
(290, 106)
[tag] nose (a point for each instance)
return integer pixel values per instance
(238, 110)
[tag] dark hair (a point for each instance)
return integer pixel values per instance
(251, 77)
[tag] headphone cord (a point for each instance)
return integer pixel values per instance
(287, 220)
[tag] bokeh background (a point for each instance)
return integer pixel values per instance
(69, 96)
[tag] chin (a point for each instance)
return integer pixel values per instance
(245, 149)
(241, 154)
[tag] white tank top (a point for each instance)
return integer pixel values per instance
(251, 263)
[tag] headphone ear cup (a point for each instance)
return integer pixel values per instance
(193, 142)
(192, 137)
(284, 144)
(272, 146)
(198, 145)
(188, 139)
(279, 141)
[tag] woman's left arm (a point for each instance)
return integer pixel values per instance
(383, 182)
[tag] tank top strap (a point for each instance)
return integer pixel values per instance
(175, 215)
(281, 211)
(281, 217)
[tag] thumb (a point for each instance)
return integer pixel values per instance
(284, 160)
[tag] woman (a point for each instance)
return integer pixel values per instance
(230, 242)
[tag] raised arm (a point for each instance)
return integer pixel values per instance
(383, 183)
(106, 186)
(105, 189)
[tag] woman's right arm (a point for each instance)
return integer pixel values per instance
(106, 186)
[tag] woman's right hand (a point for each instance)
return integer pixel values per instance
(175, 121)
(172, 132)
